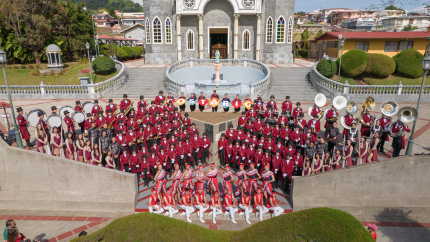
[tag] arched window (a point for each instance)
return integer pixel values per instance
(190, 40)
(269, 30)
(246, 42)
(168, 31)
(280, 30)
(148, 31)
(290, 30)
(156, 29)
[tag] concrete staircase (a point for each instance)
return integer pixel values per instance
(142, 81)
(293, 82)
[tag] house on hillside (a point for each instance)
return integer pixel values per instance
(400, 22)
(387, 43)
(136, 31)
(324, 14)
(312, 16)
(300, 19)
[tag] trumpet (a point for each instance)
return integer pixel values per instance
(128, 108)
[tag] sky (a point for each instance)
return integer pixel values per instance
(311, 5)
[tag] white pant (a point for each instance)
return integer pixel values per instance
(202, 210)
(172, 210)
(188, 210)
(152, 210)
(246, 209)
(262, 211)
(215, 211)
(277, 211)
(231, 211)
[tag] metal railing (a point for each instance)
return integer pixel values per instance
(43, 91)
(253, 89)
(404, 92)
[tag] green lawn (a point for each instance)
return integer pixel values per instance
(24, 76)
(394, 80)
(317, 224)
(343, 79)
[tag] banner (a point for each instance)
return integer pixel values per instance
(226, 104)
(202, 101)
(181, 101)
(192, 101)
(247, 104)
(214, 102)
(236, 103)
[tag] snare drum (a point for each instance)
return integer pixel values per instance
(54, 120)
(88, 106)
(33, 117)
(276, 114)
(64, 108)
(78, 116)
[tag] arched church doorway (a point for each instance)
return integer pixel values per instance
(218, 40)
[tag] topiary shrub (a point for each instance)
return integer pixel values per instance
(138, 50)
(121, 54)
(129, 51)
(305, 44)
(408, 63)
(353, 62)
(380, 65)
(327, 68)
(103, 65)
(303, 53)
(305, 34)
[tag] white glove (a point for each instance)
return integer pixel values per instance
(285, 174)
(129, 169)
(270, 148)
(197, 150)
(164, 164)
(276, 170)
(237, 157)
(189, 155)
(206, 146)
(258, 164)
(147, 172)
(137, 166)
(220, 148)
(249, 161)
(123, 170)
(155, 167)
(231, 134)
(182, 156)
(173, 160)
(246, 140)
(229, 156)
(243, 158)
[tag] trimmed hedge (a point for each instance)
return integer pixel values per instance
(103, 65)
(327, 68)
(303, 53)
(353, 62)
(138, 50)
(121, 53)
(408, 63)
(380, 65)
(129, 51)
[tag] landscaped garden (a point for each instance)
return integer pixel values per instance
(317, 224)
(361, 68)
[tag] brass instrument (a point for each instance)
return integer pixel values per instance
(406, 114)
(342, 121)
(128, 108)
(131, 143)
(339, 102)
(139, 141)
(351, 107)
(389, 108)
(110, 126)
(101, 126)
(320, 101)
(369, 104)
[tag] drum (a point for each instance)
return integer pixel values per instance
(64, 108)
(78, 116)
(276, 114)
(252, 120)
(54, 120)
(88, 106)
(33, 117)
(272, 122)
(288, 114)
(261, 112)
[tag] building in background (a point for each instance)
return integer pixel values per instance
(417, 23)
(183, 29)
(136, 31)
(131, 19)
(300, 19)
(324, 14)
(312, 16)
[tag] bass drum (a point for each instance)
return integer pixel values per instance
(88, 106)
(78, 116)
(54, 120)
(68, 108)
(33, 117)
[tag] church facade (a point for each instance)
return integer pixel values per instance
(177, 30)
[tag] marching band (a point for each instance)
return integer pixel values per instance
(156, 141)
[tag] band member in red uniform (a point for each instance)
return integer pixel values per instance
(241, 184)
(100, 120)
(298, 163)
(251, 113)
(227, 175)
(372, 155)
(96, 109)
(200, 203)
(287, 105)
(276, 131)
(287, 168)
(229, 205)
(295, 136)
(169, 204)
(212, 183)
(222, 145)
(205, 143)
(399, 141)
(180, 154)
(159, 98)
(259, 105)
(307, 138)
(384, 121)
(215, 206)
(78, 107)
(242, 120)
(22, 122)
(301, 122)
(231, 134)
(88, 123)
(272, 103)
(171, 157)
(316, 110)
(187, 179)
(142, 101)
(349, 119)
(330, 115)
(266, 160)
(297, 110)
(187, 204)
(135, 162)
(110, 106)
(315, 124)
(124, 103)
(258, 204)
(69, 122)
(44, 124)
(269, 112)
(365, 131)
(230, 153)
(276, 166)
(154, 204)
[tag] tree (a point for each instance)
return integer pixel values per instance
(300, 13)
(427, 5)
(305, 34)
(319, 34)
(392, 7)
(112, 12)
(32, 22)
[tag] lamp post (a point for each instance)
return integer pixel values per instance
(426, 67)
(3, 60)
(87, 45)
(341, 43)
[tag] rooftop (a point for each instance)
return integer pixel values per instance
(377, 35)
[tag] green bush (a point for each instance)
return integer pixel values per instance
(103, 65)
(23, 67)
(15, 67)
(138, 50)
(380, 65)
(303, 53)
(129, 51)
(327, 68)
(30, 67)
(408, 63)
(319, 34)
(305, 34)
(120, 53)
(37, 66)
(305, 44)
(353, 62)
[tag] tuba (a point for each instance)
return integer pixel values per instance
(389, 108)
(406, 114)
(369, 104)
(351, 108)
(320, 101)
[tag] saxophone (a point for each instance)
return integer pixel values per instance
(128, 108)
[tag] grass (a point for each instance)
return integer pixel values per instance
(343, 79)
(317, 224)
(394, 80)
(71, 77)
